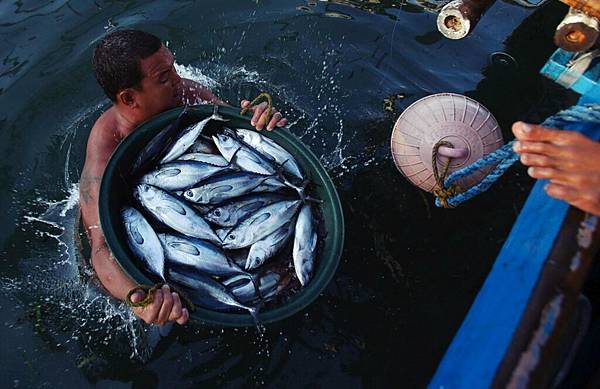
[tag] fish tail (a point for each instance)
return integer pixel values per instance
(253, 311)
(312, 199)
(256, 283)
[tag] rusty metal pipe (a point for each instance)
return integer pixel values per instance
(590, 7)
(577, 32)
(459, 17)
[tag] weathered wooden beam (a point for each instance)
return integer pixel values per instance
(590, 7)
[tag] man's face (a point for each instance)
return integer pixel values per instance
(161, 86)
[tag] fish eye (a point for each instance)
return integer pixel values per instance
(217, 213)
(232, 237)
(189, 193)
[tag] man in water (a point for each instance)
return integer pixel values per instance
(137, 73)
(568, 159)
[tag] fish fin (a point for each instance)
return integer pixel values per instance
(253, 206)
(263, 217)
(173, 207)
(185, 247)
(216, 115)
(222, 188)
(171, 172)
(253, 311)
(312, 199)
(139, 239)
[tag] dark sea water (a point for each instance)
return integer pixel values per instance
(409, 271)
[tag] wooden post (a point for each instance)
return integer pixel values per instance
(577, 32)
(459, 17)
(590, 7)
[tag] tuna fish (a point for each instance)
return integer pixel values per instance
(180, 175)
(157, 147)
(271, 150)
(207, 292)
(243, 156)
(270, 285)
(305, 245)
(143, 241)
(212, 159)
(187, 137)
(268, 246)
(174, 212)
(260, 224)
(199, 254)
(236, 210)
(218, 189)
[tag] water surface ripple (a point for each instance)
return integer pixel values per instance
(409, 271)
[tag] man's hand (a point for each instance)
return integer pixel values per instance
(259, 119)
(569, 160)
(166, 306)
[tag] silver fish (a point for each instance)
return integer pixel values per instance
(203, 145)
(180, 175)
(198, 254)
(243, 156)
(188, 136)
(157, 147)
(218, 189)
(143, 241)
(212, 159)
(305, 245)
(230, 214)
(174, 212)
(270, 284)
(268, 246)
(271, 150)
(207, 292)
(260, 224)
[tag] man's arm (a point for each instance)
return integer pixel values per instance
(166, 305)
(194, 93)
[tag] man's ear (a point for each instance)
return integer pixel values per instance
(127, 98)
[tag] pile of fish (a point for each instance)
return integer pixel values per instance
(212, 215)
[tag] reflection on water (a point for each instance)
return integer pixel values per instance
(341, 71)
(375, 6)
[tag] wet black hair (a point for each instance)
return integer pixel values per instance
(117, 59)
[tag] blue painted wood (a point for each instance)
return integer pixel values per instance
(481, 343)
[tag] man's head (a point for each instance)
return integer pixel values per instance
(136, 70)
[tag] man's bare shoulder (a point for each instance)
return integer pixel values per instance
(104, 137)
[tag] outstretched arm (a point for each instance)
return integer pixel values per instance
(194, 93)
(166, 305)
(569, 160)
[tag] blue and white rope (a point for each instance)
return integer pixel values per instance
(505, 155)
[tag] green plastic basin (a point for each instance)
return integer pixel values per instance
(115, 192)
